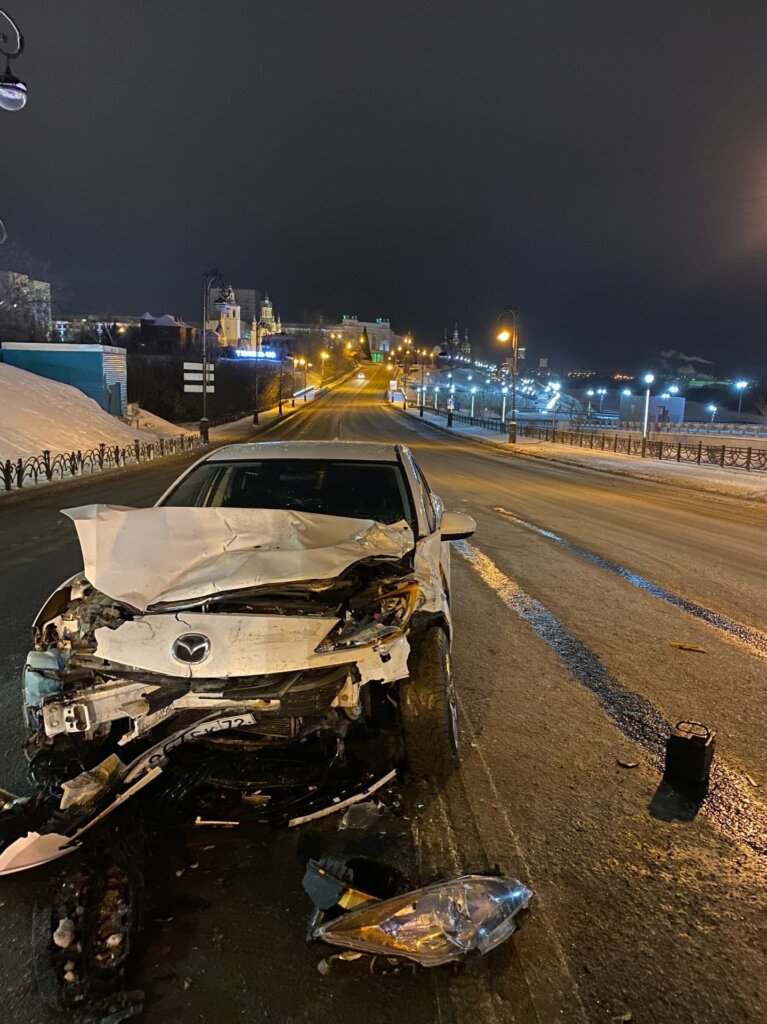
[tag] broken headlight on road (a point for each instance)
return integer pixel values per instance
(437, 924)
(377, 618)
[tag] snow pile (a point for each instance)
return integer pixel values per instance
(144, 421)
(38, 414)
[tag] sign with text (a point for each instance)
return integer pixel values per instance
(198, 374)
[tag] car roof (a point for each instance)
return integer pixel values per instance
(357, 451)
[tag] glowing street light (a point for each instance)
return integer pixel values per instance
(674, 389)
(601, 392)
(648, 380)
(740, 386)
(324, 356)
(13, 92)
(712, 409)
(509, 332)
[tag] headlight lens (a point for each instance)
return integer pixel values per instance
(437, 924)
(386, 616)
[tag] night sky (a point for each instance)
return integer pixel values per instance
(600, 163)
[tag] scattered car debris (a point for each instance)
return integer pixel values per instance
(694, 648)
(751, 780)
(433, 925)
(689, 753)
(199, 822)
(627, 764)
(361, 815)
(339, 805)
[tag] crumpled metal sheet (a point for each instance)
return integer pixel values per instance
(144, 556)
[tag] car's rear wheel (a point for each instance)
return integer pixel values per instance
(429, 710)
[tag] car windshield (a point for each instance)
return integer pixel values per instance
(359, 490)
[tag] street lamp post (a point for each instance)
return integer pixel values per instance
(13, 92)
(590, 395)
(436, 395)
(504, 392)
(423, 389)
(210, 278)
(324, 356)
(281, 377)
(712, 409)
(648, 380)
(509, 331)
(741, 386)
(473, 393)
(255, 392)
(601, 392)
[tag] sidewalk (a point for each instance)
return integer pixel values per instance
(735, 483)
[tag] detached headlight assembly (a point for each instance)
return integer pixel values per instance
(386, 616)
(437, 924)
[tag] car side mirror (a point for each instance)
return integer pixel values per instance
(456, 526)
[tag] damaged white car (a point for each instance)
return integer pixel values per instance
(272, 589)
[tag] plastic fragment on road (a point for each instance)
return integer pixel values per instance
(434, 925)
(33, 850)
(361, 815)
(627, 764)
(200, 823)
(682, 646)
(89, 785)
(329, 883)
(340, 805)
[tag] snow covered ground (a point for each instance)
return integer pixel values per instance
(38, 414)
(712, 479)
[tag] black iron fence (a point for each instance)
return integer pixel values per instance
(48, 466)
(700, 453)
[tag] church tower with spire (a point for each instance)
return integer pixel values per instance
(465, 344)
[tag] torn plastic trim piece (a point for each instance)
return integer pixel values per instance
(435, 925)
(340, 805)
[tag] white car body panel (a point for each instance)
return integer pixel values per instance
(146, 556)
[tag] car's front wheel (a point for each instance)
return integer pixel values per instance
(429, 710)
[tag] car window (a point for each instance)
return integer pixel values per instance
(360, 490)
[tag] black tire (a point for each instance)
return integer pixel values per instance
(429, 711)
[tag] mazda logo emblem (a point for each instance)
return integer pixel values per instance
(191, 648)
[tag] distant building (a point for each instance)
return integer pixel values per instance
(92, 327)
(458, 347)
(268, 323)
(378, 333)
(165, 333)
(25, 307)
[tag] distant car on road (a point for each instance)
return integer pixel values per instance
(361, 376)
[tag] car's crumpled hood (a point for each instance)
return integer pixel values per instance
(144, 556)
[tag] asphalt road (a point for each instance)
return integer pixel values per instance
(646, 909)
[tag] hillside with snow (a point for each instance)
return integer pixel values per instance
(38, 414)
